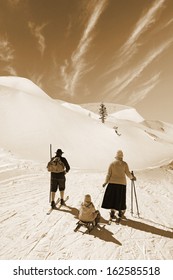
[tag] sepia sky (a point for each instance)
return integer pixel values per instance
(92, 50)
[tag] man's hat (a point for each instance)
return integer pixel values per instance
(59, 152)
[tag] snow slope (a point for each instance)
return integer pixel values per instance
(27, 233)
(29, 122)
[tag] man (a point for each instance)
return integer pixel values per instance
(58, 177)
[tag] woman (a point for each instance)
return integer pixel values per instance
(115, 194)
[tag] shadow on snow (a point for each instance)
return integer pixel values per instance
(104, 234)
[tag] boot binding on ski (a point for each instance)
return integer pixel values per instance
(112, 214)
(53, 204)
(62, 202)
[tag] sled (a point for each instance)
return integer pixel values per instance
(88, 225)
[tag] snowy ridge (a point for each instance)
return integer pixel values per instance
(128, 114)
(23, 85)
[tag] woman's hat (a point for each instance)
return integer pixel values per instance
(119, 154)
(87, 198)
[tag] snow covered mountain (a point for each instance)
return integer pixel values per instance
(30, 120)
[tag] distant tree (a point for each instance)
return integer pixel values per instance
(102, 112)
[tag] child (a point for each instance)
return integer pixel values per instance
(87, 211)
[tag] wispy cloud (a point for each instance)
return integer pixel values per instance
(130, 47)
(6, 50)
(7, 56)
(144, 89)
(118, 85)
(68, 28)
(10, 70)
(73, 71)
(142, 25)
(36, 31)
(168, 23)
(125, 76)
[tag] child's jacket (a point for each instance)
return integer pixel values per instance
(87, 212)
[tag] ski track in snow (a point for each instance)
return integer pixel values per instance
(28, 233)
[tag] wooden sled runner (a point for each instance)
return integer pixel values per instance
(88, 225)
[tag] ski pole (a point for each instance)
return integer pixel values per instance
(50, 174)
(136, 199)
(134, 189)
(50, 151)
(132, 194)
(131, 197)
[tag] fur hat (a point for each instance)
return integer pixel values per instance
(119, 154)
(87, 198)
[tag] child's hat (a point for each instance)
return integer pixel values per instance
(87, 198)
